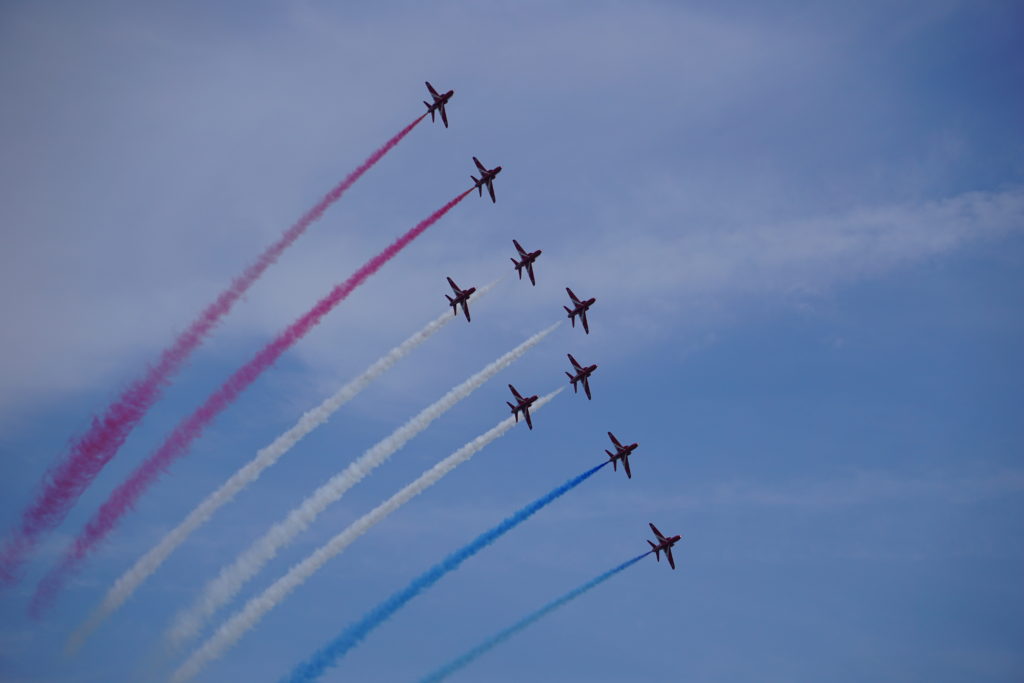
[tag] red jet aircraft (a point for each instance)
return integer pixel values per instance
(486, 178)
(621, 453)
(461, 297)
(528, 258)
(582, 374)
(522, 405)
(663, 544)
(580, 309)
(439, 102)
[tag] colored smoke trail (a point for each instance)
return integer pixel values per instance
(233, 577)
(64, 483)
(500, 637)
(249, 616)
(328, 655)
(176, 445)
(126, 585)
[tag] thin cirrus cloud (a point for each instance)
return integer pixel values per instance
(223, 110)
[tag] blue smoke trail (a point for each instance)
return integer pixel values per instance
(500, 637)
(329, 654)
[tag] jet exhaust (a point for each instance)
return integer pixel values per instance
(128, 492)
(233, 577)
(249, 616)
(329, 654)
(126, 585)
(500, 637)
(68, 479)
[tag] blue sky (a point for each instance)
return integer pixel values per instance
(803, 225)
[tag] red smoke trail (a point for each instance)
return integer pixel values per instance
(176, 445)
(66, 482)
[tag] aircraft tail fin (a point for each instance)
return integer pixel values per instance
(572, 316)
(479, 186)
(615, 464)
(451, 301)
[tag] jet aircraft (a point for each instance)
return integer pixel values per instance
(621, 453)
(582, 374)
(579, 308)
(663, 544)
(439, 102)
(528, 258)
(522, 405)
(486, 178)
(461, 297)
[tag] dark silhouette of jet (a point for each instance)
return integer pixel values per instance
(522, 406)
(528, 258)
(461, 297)
(582, 374)
(486, 178)
(439, 102)
(621, 453)
(579, 309)
(663, 544)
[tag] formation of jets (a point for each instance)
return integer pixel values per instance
(461, 297)
(437, 107)
(581, 374)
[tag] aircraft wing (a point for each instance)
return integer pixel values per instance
(515, 393)
(529, 271)
(574, 362)
(661, 536)
(519, 248)
(444, 115)
(625, 466)
(572, 296)
(465, 309)
(614, 440)
(526, 414)
(479, 165)
(455, 287)
(490, 189)
(583, 319)
(671, 561)
(586, 387)
(431, 89)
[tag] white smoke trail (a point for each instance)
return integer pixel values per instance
(246, 618)
(127, 584)
(231, 579)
